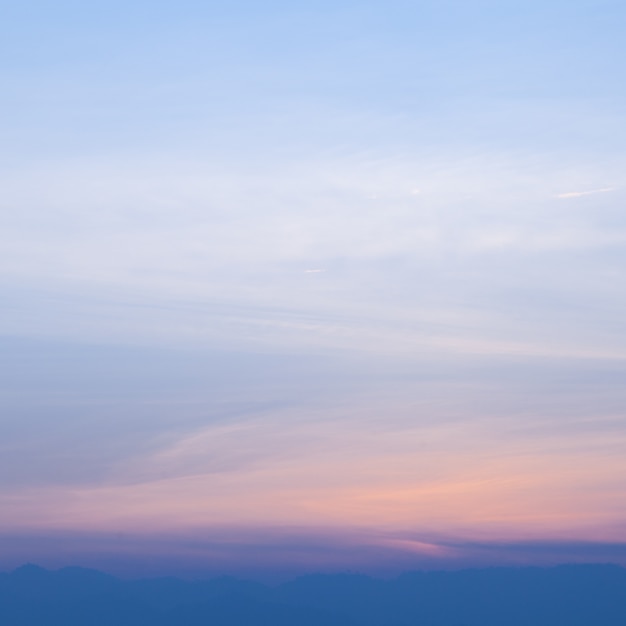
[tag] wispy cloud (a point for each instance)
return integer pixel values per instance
(580, 194)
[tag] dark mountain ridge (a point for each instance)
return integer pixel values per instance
(568, 595)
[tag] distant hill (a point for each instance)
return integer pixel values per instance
(569, 595)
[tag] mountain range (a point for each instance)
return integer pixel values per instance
(568, 595)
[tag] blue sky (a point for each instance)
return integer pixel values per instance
(337, 267)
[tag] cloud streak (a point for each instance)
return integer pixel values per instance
(579, 194)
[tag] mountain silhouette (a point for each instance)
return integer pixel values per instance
(569, 595)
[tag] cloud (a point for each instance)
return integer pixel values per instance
(579, 194)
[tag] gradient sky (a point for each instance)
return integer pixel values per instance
(316, 286)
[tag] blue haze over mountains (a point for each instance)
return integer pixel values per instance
(569, 595)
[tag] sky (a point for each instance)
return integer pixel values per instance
(312, 286)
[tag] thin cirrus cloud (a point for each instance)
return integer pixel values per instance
(580, 194)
